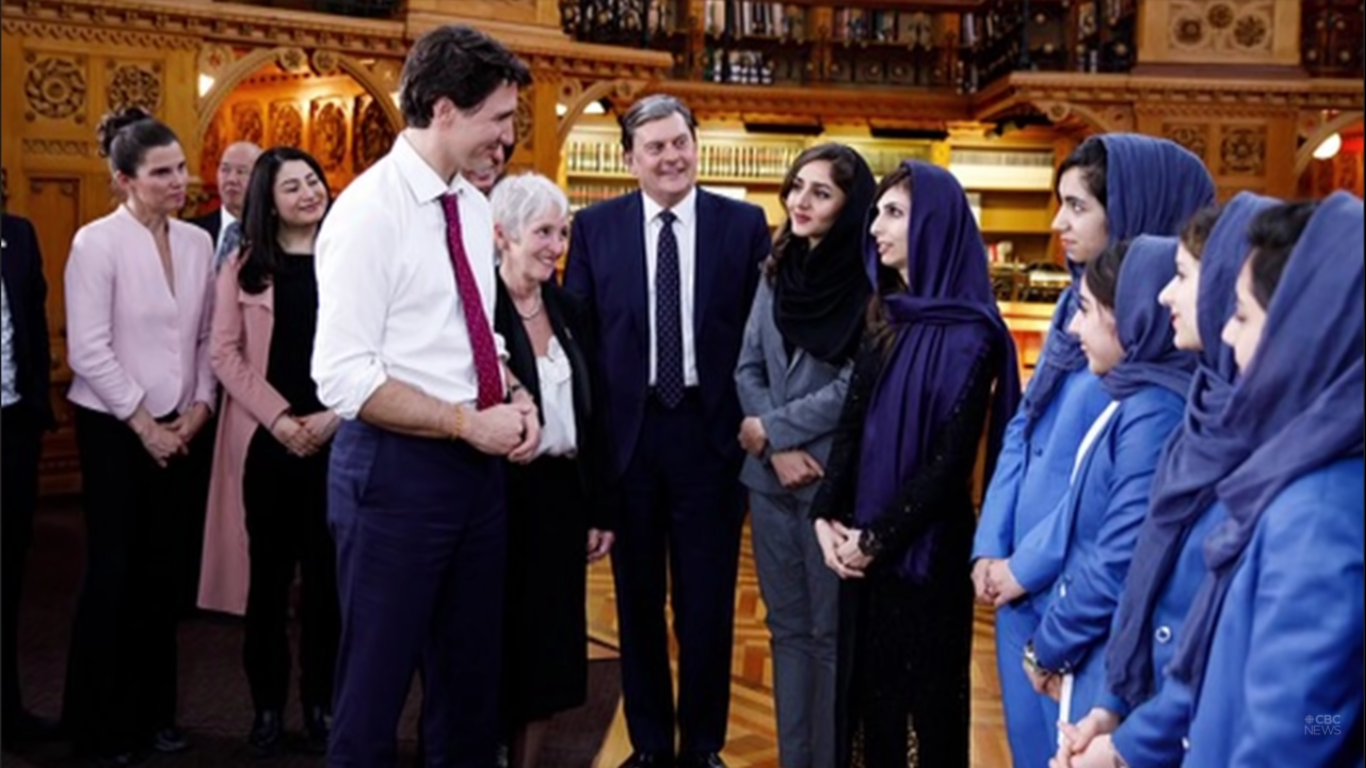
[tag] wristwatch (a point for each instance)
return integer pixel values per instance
(1031, 659)
(869, 544)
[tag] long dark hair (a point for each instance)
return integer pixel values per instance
(1102, 274)
(1271, 236)
(888, 280)
(261, 252)
(1091, 159)
(1197, 231)
(843, 167)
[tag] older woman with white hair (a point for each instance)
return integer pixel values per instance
(551, 532)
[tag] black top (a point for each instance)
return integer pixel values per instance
(939, 489)
(291, 341)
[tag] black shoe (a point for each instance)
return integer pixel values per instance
(648, 760)
(700, 760)
(266, 729)
(24, 727)
(317, 725)
(170, 740)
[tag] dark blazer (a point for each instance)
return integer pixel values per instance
(567, 323)
(607, 270)
(210, 222)
(26, 293)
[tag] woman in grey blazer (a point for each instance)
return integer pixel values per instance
(792, 374)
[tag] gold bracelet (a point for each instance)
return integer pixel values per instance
(458, 431)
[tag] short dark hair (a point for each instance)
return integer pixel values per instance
(1090, 158)
(261, 221)
(649, 109)
(1197, 231)
(126, 135)
(457, 62)
(1272, 235)
(1102, 273)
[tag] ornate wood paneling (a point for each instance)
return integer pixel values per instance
(1220, 32)
(54, 200)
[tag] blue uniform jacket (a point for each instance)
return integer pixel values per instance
(1032, 471)
(1284, 681)
(1093, 538)
(1169, 612)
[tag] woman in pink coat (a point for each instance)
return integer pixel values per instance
(268, 494)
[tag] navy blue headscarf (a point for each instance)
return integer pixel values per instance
(1297, 407)
(1183, 487)
(1144, 326)
(1152, 186)
(945, 320)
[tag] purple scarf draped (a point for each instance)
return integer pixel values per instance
(1183, 488)
(943, 323)
(1298, 406)
(1152, 186)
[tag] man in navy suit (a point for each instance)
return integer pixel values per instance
(25, 360)
(668, 274)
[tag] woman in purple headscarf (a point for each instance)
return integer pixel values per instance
(895, 515)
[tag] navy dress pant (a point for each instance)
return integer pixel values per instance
(420, 532)
(680, 528)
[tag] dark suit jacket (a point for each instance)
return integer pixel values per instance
(607, 270)
(567, 323)
(26, 292)
(210, 222)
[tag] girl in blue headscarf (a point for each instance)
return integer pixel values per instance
(1168, 564)
(1113, 187)
(1270, 666)
(894, 516)
(1126, 336)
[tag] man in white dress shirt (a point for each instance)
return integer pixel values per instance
(405, 353)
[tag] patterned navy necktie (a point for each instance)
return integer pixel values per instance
(668, 316)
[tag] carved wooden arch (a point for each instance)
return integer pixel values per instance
(1306, 151)
(1112, 118)
(233, 75)
(576, 98)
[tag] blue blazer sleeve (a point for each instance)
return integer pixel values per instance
(996, 528)
(1075, 626)
(1150, 737)
(1037, 562)
(1305, 650)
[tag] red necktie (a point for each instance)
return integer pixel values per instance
(481, 336)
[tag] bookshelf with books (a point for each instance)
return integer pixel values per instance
(1010, 183)
(926, 44)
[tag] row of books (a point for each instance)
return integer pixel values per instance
(746, 18)
(584, 195)
(732, 161)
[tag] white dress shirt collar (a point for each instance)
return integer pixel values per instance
(422, 180)
(686, 210)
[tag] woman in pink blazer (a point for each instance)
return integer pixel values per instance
(268, 493)
(138, 290)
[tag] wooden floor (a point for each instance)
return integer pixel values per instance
(750, 741)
